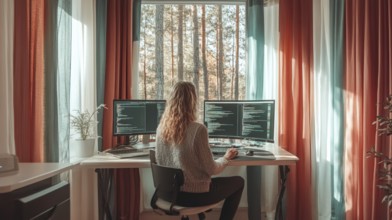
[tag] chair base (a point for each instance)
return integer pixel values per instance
(163, 206)
(201, 216)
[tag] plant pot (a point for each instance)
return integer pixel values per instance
(82, 148)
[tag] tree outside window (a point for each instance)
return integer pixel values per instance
(204, 44)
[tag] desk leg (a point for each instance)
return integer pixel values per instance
(76, 194)
(105, 180)
(253, 176)
(283, 172)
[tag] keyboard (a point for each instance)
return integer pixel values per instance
(255, 149)
(128, 152)
(248, 152)
(219, 144)
(220, 150)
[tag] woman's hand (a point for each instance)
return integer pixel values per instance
(231, 153)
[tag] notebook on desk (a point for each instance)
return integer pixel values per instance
(128, 152)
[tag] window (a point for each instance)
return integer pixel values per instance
(204, 44)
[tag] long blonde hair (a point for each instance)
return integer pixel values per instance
(180, 111)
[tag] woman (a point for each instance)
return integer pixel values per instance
(183, 143)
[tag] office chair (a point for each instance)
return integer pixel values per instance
(167, 181)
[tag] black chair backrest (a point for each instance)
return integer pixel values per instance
(167, 182)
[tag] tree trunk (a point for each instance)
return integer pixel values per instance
(144, 66)
(180, 43)
(203, 50)
(196, 49)
(232, 68)
(217, 92)
(237, 46)
(220, 52)
(172, 44)
(159, 50)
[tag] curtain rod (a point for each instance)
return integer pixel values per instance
(228, 2)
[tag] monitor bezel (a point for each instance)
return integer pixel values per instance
(238, 102)
(134, 100)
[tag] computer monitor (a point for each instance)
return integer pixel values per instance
(251, 119)
(134, 117)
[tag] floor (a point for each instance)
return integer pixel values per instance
(242, 213)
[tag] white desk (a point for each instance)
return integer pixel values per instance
(32, 183)
(30, 173)
(104, 161)
(88, 181)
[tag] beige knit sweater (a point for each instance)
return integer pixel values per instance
(194, 157)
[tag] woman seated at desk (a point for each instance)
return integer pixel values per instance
(183, 143)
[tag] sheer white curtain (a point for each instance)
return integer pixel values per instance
(322, 123)
(83, 77)
(271, 40)
(6, 77)
(83, 90)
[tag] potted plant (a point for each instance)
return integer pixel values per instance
(384, 124)
(82, 123)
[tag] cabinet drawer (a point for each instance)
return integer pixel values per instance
(44, 204)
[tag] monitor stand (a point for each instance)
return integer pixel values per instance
(145, 143)
(141, 145)
(146, 139)
(134, 142)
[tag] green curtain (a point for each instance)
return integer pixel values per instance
(255, 46)
(337, 41)
(254, 90)
(101, 12)
(51, 120)
(137, 5)
(57, 79)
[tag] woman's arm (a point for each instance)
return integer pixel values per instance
(204, 154)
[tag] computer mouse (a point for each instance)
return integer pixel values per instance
(249, 153)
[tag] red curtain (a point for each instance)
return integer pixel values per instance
(295, 101)
(29, 80)
(118, 86)
(368, 80)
